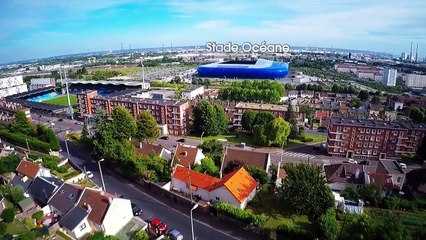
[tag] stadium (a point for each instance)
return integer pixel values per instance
(260, 69)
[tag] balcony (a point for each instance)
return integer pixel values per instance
(335, 140)
(332, 146)
(334, 132)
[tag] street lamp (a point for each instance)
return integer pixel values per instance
(202, 137)
(192, 220)
(100, 171)
(282, 151)
(66, 145)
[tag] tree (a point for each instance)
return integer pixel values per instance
(27, 236)
(21, 124)
(248, 119)
(213, 149)
(84, 133)
(360, 227)
(258, 174)
(9, 163)
(205, 119)
(147, 127)
(274, 133)
(305, 190)
(99, 120)
(390, 221)
(16, 194)
(417, 115)
(221, 119)
(327, 224)
(262, 118)
(363, 95)
(371, 193)
(123, 124)
(375, 100)
(8, 215)
(350, 193)
(356, 103)
(421, 151)
(208, 166)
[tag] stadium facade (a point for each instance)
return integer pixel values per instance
(260, 69)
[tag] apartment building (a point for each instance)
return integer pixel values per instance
(12, 85)
(415, 80)
(241, 107)
(372, 139)
(174, 114)
(8, 110)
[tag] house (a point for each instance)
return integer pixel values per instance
(236, 188)
(42, 189)
(188, 156)
(387, 174)
(32, 170)
(107, 213)
(237, 157)
(147, 148)
(76, 223)
(65, 198)
(293, 94)
(306, 94)
(2, 204)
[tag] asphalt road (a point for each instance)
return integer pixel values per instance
(176, 216)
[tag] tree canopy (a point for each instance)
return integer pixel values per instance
(123, 124)
(273, 133)
(208, 119)
(247, 120)
(363, 95)
(305, 189)
(147, 127)
(21, 124)
(253, 91)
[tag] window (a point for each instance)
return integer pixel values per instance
(362, 130)
(370, 145)
(365, 145)
(379, 131)
(398, 179)
(376, 145)
(372, 138)
(373, 131)
(345, 129)
(217, 198)
(360, 144)
(82, 226)
(361, 137)
(339, 129)
(367, 131)
(374, 152)
(377, 139)
(364, 151)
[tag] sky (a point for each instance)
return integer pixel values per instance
(43, 28)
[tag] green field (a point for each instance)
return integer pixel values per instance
(62, 100)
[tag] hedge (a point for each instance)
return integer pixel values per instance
(240, 214)
(286, 231)
(21, 140)
(396, 203)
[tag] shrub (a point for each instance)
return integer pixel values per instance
(21, 140)
(287, 230)
(239, 214)
(37, 215)
(51, 162)
(142, 235)
(62, 169)
(33, 156)
(3, 227)
(328, 225)
(30, 223)
(8, 215)
(9, 163)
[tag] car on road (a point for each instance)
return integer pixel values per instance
(174, 235)
(351, 161)
(158, 226)
(137, 211)
(316, 148)
(182, 140)
(165, 137)
(403, 165)
(89, 174)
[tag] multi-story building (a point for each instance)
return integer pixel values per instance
(373, 139)
(399, 102)
(8, 110)
(12, 85)
(192, 92)
(174, 114)
(389, 77)
(415, 80)
(276, 110)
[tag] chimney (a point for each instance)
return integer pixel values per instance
(185, 153)
(109, 200)
(140, 145)
(89, 208)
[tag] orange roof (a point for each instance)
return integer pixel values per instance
(240, 183)
(197, 179)
(27, 168)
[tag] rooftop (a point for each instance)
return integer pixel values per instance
(197, 179)
(74, 217)
(261, 106)
(97, 201)
(246, 157)
(28, 168)
(366, 123)
(66, 197)
(186, 155)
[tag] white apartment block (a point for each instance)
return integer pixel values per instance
(37, 83)
(12, 85)
(415, 80)
(389, 77)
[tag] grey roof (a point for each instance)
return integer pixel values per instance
(66, 197)
(367, 123)
(41, 190)
(73, 218)
(392, 166)
(414, 126)
(17, 181)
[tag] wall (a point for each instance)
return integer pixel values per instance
(80, 233)
(118, 215)
(182, 187)
(224, 196)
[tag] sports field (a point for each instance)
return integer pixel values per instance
(62, 100)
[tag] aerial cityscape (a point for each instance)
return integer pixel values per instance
(137, 120)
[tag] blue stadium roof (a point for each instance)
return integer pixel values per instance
(261, 69)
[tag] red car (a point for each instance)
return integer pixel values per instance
(158, 226)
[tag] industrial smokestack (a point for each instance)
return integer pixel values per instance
(417, 52)
(411, 52)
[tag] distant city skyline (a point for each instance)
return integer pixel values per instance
(44, 28)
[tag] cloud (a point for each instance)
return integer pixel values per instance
(212, 24)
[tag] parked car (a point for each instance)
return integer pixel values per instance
(182, 140)
(351, 161)
(158, 226)
(403, 165)
(364, 162)
(174, 235)
(316, 148)
(137, 211)
(165, 137)
(89, 174)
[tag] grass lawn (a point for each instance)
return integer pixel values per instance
(65, 176)
(16, 227)
(86, 183)
(62, 100)
(316, 138)
(277, 213)
(63, 235)
(232, 138)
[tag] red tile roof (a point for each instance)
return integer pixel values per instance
(186, 155)
(147, 148)
(28, 168)
(381, 179)
(197, 179)
(98, 201)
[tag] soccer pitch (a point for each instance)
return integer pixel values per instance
(62, 100)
